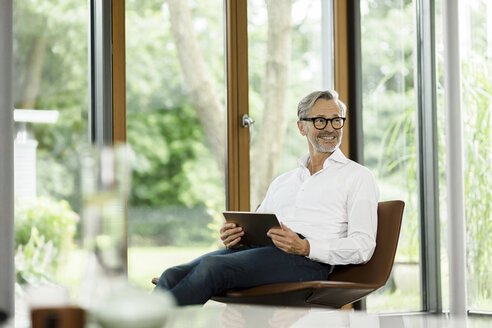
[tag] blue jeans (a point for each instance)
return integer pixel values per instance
(197, 281)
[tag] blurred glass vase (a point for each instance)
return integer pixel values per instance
(105, 183)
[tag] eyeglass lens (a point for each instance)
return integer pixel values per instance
(320, 123)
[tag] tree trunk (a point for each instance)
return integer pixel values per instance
(266, 150)
(32, 77)
(198, 82)
(265, 153)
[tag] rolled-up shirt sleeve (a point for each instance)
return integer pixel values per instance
(360, 241)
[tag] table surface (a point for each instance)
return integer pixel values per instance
(243, 316)
(217, 315)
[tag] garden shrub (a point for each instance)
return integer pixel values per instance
(44, 231)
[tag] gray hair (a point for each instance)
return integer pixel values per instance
(307, 102)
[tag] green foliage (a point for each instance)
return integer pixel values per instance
(389, 110)
(387, 42)
(397, 166)
(174, 166)
(59, 30)
(477, 144)
(53, 219)
(34, 261)
(176, 183)
(154, 78)
(389, 131)
(44, 232)
(178, 192)
(477, 91)
(64, 68)
(175, 180)
(165, 142)
(172, 225)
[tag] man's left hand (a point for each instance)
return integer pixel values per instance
(288, 241)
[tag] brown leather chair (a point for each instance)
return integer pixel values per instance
(347, 284)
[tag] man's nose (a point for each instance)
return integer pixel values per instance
(329, 127)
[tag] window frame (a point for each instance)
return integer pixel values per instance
(108, 112)
(427, 154)
(7, 233)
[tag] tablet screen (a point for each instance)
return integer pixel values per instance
(255, 226)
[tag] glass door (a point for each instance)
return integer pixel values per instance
(50, 88)
(176, 129)
(286, 61)
(389, 127)
(475, 23)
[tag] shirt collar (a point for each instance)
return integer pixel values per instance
(336, 156)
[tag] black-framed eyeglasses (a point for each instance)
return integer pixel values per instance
(320, 122)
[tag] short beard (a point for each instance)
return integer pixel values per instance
(316, 145)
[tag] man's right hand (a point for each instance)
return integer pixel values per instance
(230, 234)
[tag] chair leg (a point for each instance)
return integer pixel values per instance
(360, 305)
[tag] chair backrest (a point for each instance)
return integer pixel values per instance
(378, 269)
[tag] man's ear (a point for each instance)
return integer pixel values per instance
(300, 125)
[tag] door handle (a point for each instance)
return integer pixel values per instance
(248, 122)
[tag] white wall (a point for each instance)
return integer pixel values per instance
(6, 161)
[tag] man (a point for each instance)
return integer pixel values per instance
(328, 213)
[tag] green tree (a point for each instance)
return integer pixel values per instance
(51, 65)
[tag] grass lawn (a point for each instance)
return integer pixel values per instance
(393, 302)
(144, 263)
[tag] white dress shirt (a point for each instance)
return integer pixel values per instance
(335, 209)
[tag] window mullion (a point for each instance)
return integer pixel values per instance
(100, 73)
(6, 161)
(238, 166)
(427, 153)
(454, 161)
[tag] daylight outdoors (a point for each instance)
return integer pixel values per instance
(176, 117)
(389, 121)
(476, 94)
(389, 115)
(51, 78)
(176, 129)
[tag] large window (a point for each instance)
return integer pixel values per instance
(50, 96)
(176, 128)
(476, 50)
(285, 42)
(176, 118)
(390, 128)
(389, 113)
(475, 22)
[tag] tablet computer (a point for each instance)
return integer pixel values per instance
(255, 226)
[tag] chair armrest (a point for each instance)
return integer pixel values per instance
(281, 288)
